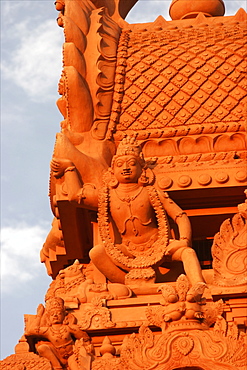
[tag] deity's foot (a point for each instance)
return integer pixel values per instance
(119, 291)
(140, 276)
(196, 291)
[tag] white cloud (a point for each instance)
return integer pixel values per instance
(34, 63)
(20, 263)
(233, 6)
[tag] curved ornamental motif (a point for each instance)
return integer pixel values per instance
(229, 250)
(219, 348)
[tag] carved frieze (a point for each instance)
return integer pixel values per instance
(222, 347)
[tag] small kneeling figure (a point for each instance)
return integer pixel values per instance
(58, 332)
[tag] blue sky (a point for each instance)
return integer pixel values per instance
(31, 44)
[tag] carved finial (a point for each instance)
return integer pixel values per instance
(107, 349)
(22, 346)
(184, 9)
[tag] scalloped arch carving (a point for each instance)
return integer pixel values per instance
(233, 142)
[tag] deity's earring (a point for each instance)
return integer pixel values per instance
(113, 182)
(143, 179)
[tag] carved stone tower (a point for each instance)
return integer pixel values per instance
(147, 249)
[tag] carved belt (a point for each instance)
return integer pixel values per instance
(139, 249)
(63, 350)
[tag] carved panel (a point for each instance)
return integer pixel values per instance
(220, 348)
(229, 250)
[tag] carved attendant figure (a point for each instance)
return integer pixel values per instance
(133, 219)
(58, 332)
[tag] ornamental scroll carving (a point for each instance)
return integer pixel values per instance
(88, 76)
(219, 348)
(182, 307)
(229, 250)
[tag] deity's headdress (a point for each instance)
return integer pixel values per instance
(55, 302)
(129, 146)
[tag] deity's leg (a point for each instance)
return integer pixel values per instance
(105, 265)
(193, 271)
(46, 351)
(191, 264)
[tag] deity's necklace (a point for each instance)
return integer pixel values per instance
(58, 333)
(159, 247)
(128, 199)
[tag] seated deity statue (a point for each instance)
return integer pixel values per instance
(133, 219)
(55, 334)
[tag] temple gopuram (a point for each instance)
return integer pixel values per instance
(148, 245)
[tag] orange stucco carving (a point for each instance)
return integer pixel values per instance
(147, 109)
(229, 250)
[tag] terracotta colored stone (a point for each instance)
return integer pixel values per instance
(50, 324)
(147, 108)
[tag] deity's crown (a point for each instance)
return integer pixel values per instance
(55, 302)
(129, 146)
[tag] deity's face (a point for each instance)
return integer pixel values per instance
(56, 316)
(127, 169)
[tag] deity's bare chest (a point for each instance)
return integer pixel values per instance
(131, 206)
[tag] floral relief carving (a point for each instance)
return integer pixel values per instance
(95, 316)
(229, 250)
(183, 307)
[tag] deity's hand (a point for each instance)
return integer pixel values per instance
(59, 166)
(40, 310)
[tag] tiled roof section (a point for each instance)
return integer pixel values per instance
(183, 76)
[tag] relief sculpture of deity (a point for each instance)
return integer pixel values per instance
(133, 220)
(55, 330)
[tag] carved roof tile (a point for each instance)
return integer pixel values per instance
(185, 73)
